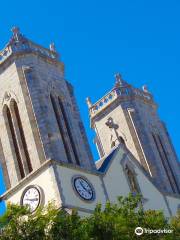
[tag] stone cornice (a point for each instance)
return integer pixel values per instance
(25, 46)
(46, 164)
(51, 162)
(25, 180)
(116, 96)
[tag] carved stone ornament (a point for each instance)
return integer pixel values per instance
(118, 78)
(53, 89)
(17, 36)
(52, 47)
(27, 68)
(89, 103)
(145, 88)
(7, 96)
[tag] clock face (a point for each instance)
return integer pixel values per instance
(83, 188)
(31, 197)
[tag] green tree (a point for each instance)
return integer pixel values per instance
(175, 225)
(118, 221)
(112, 222)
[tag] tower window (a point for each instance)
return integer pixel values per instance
(60, 126)
(69, 131)
(15, 143)
(168, 163)
(164, 160)
(16, 110)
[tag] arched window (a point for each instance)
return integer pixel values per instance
(132, 180)
(21, 131)
(165, 162)
(70, 135)
(60, 126)
(168, 163)
(8, 117)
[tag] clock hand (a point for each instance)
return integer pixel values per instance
(89, 191)
(31, 199)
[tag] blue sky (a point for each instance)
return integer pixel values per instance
(140, 39)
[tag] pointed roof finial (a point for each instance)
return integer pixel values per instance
(52, 47)
(145, 88)
(15, 30)
(16, 33)
(119, 80)
(88, 101)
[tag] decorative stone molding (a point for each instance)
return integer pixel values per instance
(8, 95)
(26, 68)
(145, 88)
(52, 89)
(88, 101)
(20, 44)
(52, 47)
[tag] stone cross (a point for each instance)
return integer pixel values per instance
(113, 126)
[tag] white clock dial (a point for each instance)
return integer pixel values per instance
(31, 198)
(83, 188)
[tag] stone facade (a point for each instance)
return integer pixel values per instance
(130, 115)
(55, 180)
(29, 75)
(43, 141)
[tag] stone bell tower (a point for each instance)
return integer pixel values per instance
(129, 115)
(39, 118)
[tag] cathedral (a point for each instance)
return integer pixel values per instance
(44, 151)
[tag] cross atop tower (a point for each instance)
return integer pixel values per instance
(139, 127)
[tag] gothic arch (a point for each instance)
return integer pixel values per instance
(52, 89)
(53, 100)
(13, 142)
(161, 149)
(64, 128)
(19, 128)
(69, 131)
(8, 95)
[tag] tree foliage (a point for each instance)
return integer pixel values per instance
(114, 221)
